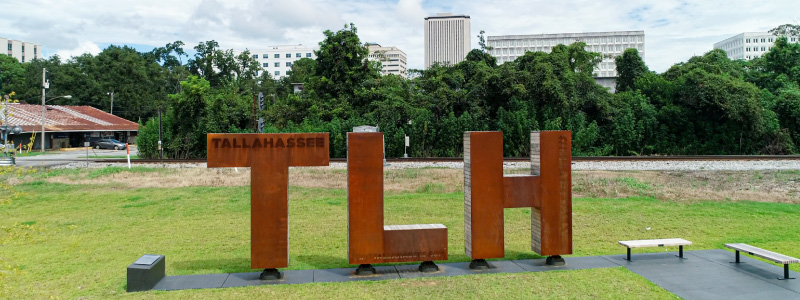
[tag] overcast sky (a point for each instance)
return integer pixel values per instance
(674, 30)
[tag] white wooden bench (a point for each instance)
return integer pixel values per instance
(765, 254)
(655, 243)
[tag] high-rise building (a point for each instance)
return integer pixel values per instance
(278, 60)
(22, 51)
(750, 45)
(446, 39)
(393, 60)
(609, 44)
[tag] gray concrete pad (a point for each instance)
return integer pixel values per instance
(186, 282)
(698, 277)
(459, 268)
(573, 263)
(704, 274)
(253, 278)
(753, 267)
(349, 274)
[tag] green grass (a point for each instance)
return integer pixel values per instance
(75, 241)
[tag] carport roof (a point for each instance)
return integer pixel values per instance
(66, 118)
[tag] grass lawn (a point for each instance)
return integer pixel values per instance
(72, 233)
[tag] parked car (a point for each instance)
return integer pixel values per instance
(110, 144)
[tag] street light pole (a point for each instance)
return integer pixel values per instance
(44, 86)
(112, 102)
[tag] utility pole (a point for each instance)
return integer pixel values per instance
(112, 101)
(44, 87)
(160, 149)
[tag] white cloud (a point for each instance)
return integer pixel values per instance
(674, 29)
(83, 47)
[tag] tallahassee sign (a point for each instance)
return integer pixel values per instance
(486, 193)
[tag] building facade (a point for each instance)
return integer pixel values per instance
(278, 60)
(66, 126)
(609, 44)
(393, 60)
(22, 51)
(447, 39)
(750, 45)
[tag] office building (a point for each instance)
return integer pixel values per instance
(22, 51)
(393, 60)
(749, 45)
(446, 39)
(609, 44)
(278, 60)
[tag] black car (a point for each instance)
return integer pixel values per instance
(110, 144)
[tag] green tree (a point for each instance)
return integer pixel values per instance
(341, 69)
(630, 67)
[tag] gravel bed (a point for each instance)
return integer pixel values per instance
(598, 165)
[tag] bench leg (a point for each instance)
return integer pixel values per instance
(785, 272)
(629, 254)
(680, 251)
(737, 258)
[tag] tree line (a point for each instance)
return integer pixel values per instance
(706, 105)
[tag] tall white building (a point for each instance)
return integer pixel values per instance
(749, 45)
(393, 60)
(446, 39)
(22, 51)
(610, 44)
(278, 60)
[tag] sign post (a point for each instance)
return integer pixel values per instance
(127, 148)
(269, 157)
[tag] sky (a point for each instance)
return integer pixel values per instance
(674, 30)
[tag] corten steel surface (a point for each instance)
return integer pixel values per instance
(556, 192)
(269, 156)
(521, 191)
(483, 194)
(487, 192)
(368, 241)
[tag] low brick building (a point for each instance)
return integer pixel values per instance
(67, 126)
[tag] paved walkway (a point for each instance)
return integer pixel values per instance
(705, 274)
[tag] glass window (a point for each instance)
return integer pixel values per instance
(264, 56)
(265, 65)
(763, 49)
(255, 56)
(308, 54)
(288, 64)
(277, 55)
(23, 48)
(23, 58)
(277, 73)
(9, 47)
(256, 72)
(288, 55)
(277, 64)
(298, 55)
(762, 40)
(770, 40)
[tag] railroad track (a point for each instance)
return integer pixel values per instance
(511, 159)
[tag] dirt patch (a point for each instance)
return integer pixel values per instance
(769, 186)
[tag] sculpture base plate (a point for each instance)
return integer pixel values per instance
(366, 269)
(271, 274)
(555, 260)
